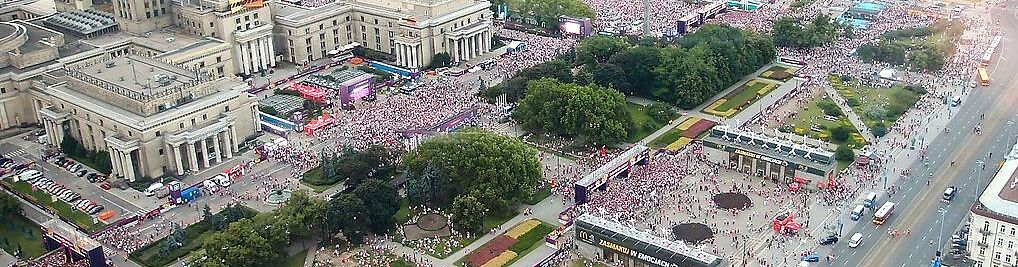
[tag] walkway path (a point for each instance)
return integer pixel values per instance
(849, 112)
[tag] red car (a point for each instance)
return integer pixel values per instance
(105, 186)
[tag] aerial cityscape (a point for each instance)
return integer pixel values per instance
(524, 133)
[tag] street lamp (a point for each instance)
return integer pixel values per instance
(940, 239)
(979, 178)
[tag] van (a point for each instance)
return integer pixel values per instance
(152, 189)
(869, 200)
(855, 240)
(949, 193)
(858, 212)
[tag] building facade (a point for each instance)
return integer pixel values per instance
(993, 233)
(600, 238)
(779, 160)
(152, 116)
(411, 31)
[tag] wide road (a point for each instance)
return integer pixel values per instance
(919, 206)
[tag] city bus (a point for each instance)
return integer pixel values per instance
(984, 79)
(883, 213)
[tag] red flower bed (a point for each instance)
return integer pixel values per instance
(697, 128)
(490, 250)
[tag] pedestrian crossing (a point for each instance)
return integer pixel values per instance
(15, 153)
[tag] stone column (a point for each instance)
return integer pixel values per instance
(228, 144)
(244, 58)
(272, 52)
(123, 165)
(177, 159)
(204, 152)
(215, 146)
(130, 166)
(487, 41)
(263, 50)
(399, 55)
(49, 131)
(192, 157)
(59, 126)
(115, 161)
(233, 136)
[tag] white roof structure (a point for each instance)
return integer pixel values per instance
(1001, 195)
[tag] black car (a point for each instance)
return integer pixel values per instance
(830, 240)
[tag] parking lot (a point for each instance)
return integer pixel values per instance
(25, 151)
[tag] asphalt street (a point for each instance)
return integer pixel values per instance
(956, 159)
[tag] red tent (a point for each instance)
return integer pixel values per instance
(315, 124)
(309, 92)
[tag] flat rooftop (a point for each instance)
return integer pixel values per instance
(161, 41)
(140, 74)
(36, 34)
(657, 247)
(1001, 195)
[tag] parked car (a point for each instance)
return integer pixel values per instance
(829, 240)
(105, 186)
(95, 209)
(81, 173)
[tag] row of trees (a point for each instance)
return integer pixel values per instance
(514, 88)
(912, 55)
(475, 172)
(263, 239)
(588, 114)
(687, 73)
(99, 160)
(9, 205)
(791, 32)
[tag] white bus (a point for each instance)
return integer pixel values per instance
(883, 213)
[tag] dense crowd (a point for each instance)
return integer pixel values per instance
(628, 16)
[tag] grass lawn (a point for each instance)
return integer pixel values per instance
(530, 241)
(402, 215)
(812, 114)
(876, 106)
(584, 262)
(313, 179)
(295, 260)
(490, 222)
(743, 95)
(59, 207)
(643, 124)
(667, 138)
(400, 263)
(19, 232)
(538, 196)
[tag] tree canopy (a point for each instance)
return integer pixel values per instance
(791, 32)
(701, 65)
(586, 112)
(516, 87)
(9, 205)
(499, 171)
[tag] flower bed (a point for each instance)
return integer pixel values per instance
(491, 250)
(508, 247)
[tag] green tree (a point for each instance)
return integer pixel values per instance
(590, 113)
(381, 200)
(238, 246)
(516, 87)
(303, 214)
(468, 214)
(844, 153)
(429, 187)
(9, 205)
(547, 12)
(478, 160)
(840, 133)
(439, 60)
(598, 49)
(348, 215)
(70, 146)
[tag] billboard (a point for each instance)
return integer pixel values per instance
(575, 26)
